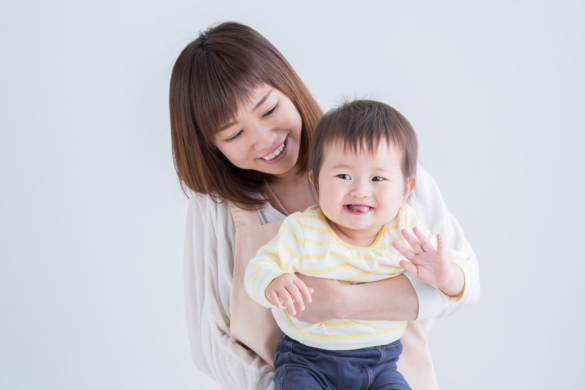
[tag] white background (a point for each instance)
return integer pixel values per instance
(92, 216)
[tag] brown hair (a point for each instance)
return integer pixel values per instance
(211, 78)
(363, 124)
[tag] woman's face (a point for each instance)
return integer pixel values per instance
(265, 135)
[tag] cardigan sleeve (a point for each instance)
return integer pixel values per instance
(209, 246)
(433, 212)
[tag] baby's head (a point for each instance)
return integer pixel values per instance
(360, 126)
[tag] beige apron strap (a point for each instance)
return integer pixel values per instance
(415, 362)
(244, 218)
(251, 325)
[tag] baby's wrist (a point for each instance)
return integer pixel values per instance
(454, 284)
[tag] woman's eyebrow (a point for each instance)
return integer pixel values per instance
(260, 102)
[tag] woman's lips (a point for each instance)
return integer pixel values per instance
(278, 154)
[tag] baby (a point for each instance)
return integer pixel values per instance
(362, 167)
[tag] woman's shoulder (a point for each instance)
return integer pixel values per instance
(205, 208)
(209, 207)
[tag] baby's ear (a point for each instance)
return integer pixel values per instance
(408, 188)
(314, 191)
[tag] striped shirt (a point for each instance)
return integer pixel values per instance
(306, 244)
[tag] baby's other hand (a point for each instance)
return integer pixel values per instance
(290, 290)
(428, 264)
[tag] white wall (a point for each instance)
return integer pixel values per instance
(91, 217)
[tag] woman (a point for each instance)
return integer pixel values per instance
(241, 123)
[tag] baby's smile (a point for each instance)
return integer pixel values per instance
(356, 208)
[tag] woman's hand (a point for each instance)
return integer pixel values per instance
(327, 299)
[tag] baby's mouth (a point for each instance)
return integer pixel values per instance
(358, 208)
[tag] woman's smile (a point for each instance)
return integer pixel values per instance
(277, 155)
(266, 134)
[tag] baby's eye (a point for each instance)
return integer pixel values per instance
(344, 176)
(378, 178)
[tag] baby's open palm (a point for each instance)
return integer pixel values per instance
(427, 264)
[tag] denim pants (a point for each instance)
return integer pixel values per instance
(300, 367)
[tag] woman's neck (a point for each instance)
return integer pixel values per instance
(293, 192)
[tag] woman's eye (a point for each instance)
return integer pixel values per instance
(270, 111)
(378, 178)
(234, 136)
(343, 176)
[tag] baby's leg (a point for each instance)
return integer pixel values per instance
(295, 368)
(294, 376)
(385, 374)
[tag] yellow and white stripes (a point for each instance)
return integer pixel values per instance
(306, 244)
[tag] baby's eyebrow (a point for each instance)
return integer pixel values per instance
(260, 102)
(340, 166)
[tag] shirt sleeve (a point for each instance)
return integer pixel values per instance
(412, 221)
(208, 280)
(433, 213)
(282, 254)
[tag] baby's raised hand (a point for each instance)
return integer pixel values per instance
(428, 264)
(290, 290)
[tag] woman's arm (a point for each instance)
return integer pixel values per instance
(208, 279)
(408, 297)
(332, 299)
(433, 212)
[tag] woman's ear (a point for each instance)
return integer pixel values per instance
(408, 188)
(312, 178)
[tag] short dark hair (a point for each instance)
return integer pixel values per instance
(363, 124)
(211, 78)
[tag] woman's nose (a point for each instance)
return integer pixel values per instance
(263, 137)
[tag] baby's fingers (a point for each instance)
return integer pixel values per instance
(294, 292)
(304, 290)
(408, 253)
(415, 245)
(440, 245)
(272, 296)
(424, 241)
(287, 299)
(409, 267)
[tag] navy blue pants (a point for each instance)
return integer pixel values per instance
(299, 367)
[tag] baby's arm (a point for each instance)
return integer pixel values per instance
(270, 278)
(430, 265)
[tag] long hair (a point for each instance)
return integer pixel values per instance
(211, 78)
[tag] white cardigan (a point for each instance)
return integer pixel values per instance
(209, 247)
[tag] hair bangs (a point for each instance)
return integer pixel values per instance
(218, 91)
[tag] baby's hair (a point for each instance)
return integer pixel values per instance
(363, 124)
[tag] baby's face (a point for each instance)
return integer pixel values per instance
(360, 192)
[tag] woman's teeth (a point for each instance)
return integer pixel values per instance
(274, 154)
